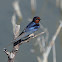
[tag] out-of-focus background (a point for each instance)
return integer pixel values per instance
(50, 13)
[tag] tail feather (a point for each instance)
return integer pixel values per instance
(19, 41)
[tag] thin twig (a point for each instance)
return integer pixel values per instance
(54, 53)
(33, 37)
(52, 41)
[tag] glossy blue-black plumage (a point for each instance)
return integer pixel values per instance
(31, 28)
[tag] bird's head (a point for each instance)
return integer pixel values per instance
(36, 19)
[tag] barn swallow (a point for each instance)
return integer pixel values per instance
(30, 28)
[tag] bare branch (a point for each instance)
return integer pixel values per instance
(46, 53)
(54, 53)
(17, 9)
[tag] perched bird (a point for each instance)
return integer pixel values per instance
(30, 28)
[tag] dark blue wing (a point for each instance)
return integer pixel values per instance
(32, 27)
(28, 27)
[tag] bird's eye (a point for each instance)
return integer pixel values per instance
(36, 19)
